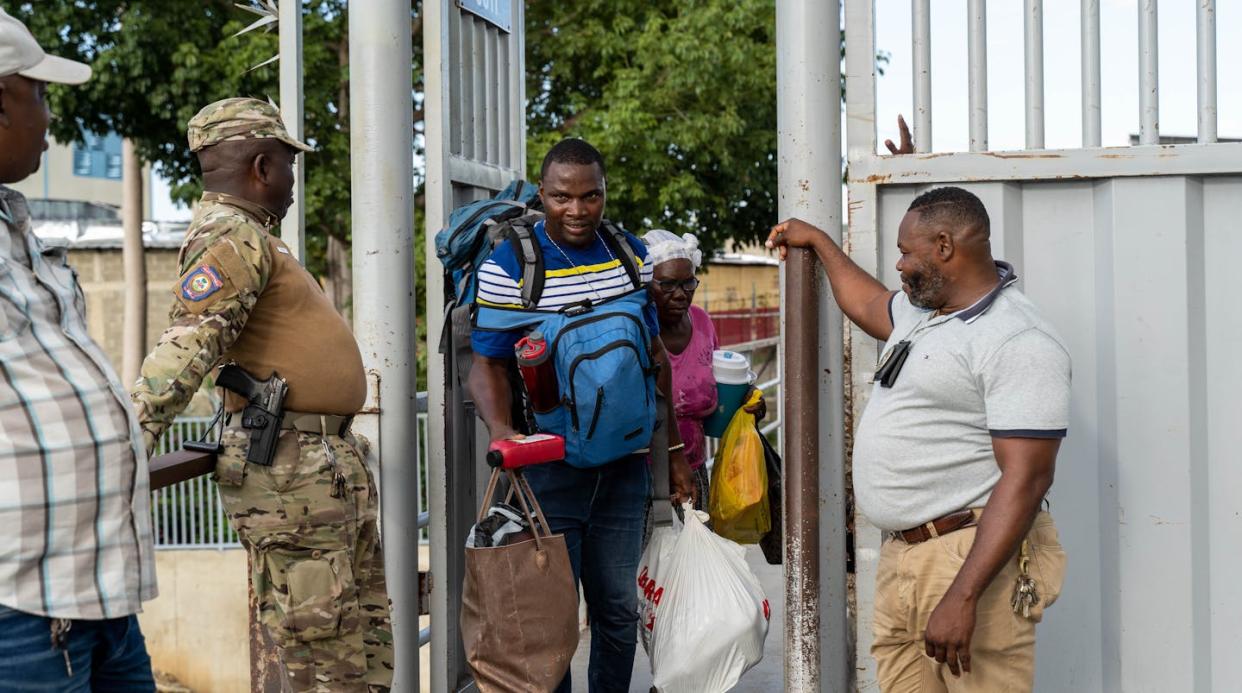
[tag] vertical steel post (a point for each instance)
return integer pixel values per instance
(1033, 21)
(1206, 44)
(977, 57)
(1149, 76)
(818, 636)
(1090, 36)
(381, 153)
(293, 228)
(921, 49)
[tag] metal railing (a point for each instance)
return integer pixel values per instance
(1033, 45)
(189, 515)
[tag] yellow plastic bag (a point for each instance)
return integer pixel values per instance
(738, 500)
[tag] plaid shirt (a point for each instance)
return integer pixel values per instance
(74, 490)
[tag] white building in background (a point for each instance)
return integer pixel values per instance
(88, 172)
(77, 193)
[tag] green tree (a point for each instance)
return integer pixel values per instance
(680, 96)
(157, 62)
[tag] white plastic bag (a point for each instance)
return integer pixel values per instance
(703, 614)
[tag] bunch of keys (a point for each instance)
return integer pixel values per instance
(339, 482)
(1024, 594)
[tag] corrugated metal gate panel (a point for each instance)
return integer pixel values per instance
(476, 144)
(1137, 274)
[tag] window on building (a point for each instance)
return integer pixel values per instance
(81, 161)
(98, 156)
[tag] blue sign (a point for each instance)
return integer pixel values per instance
(497, 12)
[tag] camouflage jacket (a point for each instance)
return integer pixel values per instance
(225, 263)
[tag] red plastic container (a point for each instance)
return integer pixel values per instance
(523, 452)
(538, 372)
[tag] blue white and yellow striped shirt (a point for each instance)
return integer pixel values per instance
(592, 273)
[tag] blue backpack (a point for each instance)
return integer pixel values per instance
(465, 244)
(602, 351)
(605, 373)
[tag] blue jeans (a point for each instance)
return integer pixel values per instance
(601, 512)
(104, 656)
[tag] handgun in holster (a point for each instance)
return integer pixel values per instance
(264, 411)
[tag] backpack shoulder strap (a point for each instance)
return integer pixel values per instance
(526, 248)
(615, 237)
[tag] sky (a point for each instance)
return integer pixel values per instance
(1062, 75)
(1062, 72)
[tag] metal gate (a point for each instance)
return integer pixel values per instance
(1128, 252)
(476, 143)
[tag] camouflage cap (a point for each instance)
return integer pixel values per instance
(239, 119)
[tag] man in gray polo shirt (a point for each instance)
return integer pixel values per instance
(955, 451)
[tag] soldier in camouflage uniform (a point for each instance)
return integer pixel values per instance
(308, 520)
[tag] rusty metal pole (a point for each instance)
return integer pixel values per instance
(818, 636)
(802, 594)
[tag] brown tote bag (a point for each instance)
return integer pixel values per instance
(519, 604)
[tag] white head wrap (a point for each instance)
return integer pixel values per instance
(663, 246)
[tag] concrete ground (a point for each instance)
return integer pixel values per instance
(764, 677)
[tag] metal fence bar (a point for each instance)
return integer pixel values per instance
(921, 45)
(478, 56)
(1033, 21)
(1090, 73)
(1206, 43)
(977, 56)
(1149, 77)
(196, 509)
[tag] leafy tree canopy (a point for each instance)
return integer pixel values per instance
(157, 62)
(679, 96)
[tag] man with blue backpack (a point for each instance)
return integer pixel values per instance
(580, 282)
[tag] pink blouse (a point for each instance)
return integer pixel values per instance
(694, 385)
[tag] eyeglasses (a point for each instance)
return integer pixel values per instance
(669, 286)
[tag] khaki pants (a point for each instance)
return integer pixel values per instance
(317, 566)
(911, 580)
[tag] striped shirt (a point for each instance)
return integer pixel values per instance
(74, 496)
(570, 275)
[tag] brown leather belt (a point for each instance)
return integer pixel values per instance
(322, 424)
(938, 527)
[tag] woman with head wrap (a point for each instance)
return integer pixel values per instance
(689, 338)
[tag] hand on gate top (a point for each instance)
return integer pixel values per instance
(907, 142)
(948, 633)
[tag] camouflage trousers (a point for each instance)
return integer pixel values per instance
(317, 566)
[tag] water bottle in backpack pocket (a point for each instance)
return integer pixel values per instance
(605, 374)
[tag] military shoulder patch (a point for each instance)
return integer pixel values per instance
(202, 282)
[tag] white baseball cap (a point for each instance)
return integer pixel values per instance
(21, 55)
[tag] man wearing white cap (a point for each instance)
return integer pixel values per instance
(76, 556)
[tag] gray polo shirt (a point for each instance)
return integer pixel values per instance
(924, 446)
